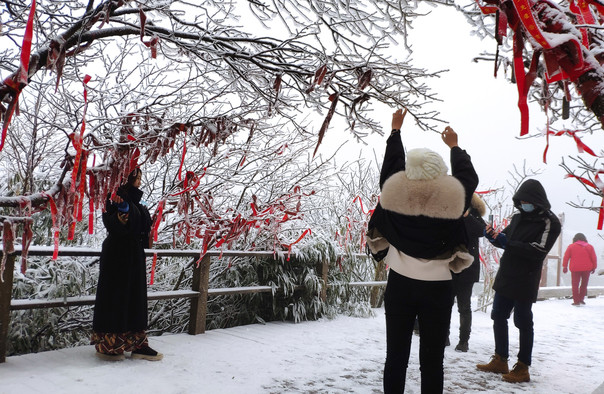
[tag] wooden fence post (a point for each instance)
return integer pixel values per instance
(376, 295)
(199, 304)
(6, 293)
(324, 276)
(543, 280)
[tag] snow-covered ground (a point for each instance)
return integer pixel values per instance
(344, 355)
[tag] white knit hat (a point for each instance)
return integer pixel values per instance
(424, 164)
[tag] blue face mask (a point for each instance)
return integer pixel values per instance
(528, 207)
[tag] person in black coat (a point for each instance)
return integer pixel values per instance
(120, 309)
(418, 229)
(526, 241)
(463, 282)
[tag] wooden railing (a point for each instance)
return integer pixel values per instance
(198, 294)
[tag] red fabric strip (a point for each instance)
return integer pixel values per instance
(22, 76)
(82, 190)
(289, 246)
(601, 216)
(523, 9)
(182, 158)
(55, 226)
(360, 202)
(584, 16)
(158, 218)
(91, 183)
(520, 82)
(582, 180)
(26, 48)
(486, 10)
(152, 276)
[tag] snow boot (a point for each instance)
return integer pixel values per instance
(146, 353)
(110, 357)
(462, 346)
(497, 364)
(518, 374)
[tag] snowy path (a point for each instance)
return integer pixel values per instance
(344, 355)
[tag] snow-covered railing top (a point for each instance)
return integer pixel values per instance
(36, 250)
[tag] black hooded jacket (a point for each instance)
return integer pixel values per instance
(530, 236)
(475, 226)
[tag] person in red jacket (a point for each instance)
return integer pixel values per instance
(583, 262)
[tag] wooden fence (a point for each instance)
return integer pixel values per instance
(198, 294)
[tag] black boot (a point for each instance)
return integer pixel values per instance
(465, 324)
(146, 353)
(462, 346)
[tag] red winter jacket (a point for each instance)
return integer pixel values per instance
(582, 257)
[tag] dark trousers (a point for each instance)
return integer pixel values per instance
(463, 296)
(580, 279)
(431, 302)
(523, 320)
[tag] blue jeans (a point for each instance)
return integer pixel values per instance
(431, 302)
(523, 320)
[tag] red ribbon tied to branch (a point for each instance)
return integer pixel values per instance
(597, 184)
(289, 246)
(573, 133)
(55, 224)
(23, 73)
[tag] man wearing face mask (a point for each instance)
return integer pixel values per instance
(526, 241)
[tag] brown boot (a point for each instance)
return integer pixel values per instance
(497, 365)
(518, 374)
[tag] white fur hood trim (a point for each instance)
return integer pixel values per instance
(442, 198)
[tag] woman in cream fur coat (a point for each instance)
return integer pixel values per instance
(418, 229)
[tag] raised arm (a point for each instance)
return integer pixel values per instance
(394, 158)
(461, 165)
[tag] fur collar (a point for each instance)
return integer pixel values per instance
(443, 197)
(478, 204)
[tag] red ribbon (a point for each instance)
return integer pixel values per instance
(184, 151)
(581, 179)
(134, 160)
(486, 10)
(152, 276)
(26, 48)
(485, 191)
(91, 183)
(360, 202)
(597, 185)
(187, 188)
(158, 217)
(523, 81)
(77, 140)
(600, 185)
(289, 246)
(580, 145)
(23, 73)
(523, 8)
(584, 16)
(55, 227)
(601, 215)
(152, 43)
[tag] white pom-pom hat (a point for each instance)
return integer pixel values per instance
(424, 164)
